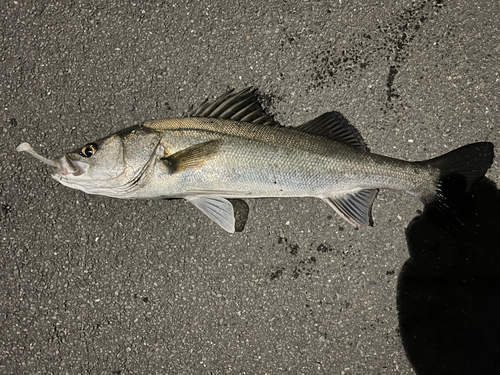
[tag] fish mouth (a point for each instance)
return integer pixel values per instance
(66, 167)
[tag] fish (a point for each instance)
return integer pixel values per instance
(230, 148)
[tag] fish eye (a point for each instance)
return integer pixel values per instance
(88, 150)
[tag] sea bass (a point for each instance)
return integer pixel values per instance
(230, 148)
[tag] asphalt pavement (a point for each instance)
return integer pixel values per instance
(99, 285)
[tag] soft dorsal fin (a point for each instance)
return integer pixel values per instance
(242, 106)
(334, 126)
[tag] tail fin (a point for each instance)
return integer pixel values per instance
(459, 169)
(470, 161)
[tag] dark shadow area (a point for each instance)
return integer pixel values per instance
(241, 210)
(449, 289)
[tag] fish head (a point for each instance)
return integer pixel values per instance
(94, 168)
(113, 166)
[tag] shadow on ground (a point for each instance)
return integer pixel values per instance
(241, 211)
(449, 290)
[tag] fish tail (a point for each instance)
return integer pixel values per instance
(458, 171)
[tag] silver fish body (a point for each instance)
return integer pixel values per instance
(257, 161)
(231, 149)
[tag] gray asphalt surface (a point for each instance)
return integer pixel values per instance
(98, 285)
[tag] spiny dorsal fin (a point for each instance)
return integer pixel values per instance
(334, 126)
(192, 157)
(356, 207)
(242, 106)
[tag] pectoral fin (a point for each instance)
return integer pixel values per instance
(218, 209)
(192, 157)
(355, 207)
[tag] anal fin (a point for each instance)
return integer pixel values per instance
(356, 207)
(218, 209)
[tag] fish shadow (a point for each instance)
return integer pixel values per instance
(449, 290)
(241, 211)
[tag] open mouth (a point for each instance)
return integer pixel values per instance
(66, 166)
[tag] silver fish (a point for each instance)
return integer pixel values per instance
(230, 148)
